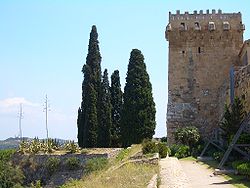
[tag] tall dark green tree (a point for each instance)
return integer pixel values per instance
(116, 102)
(87, 121)
(104, 115)
(232, 118)
(138, 113)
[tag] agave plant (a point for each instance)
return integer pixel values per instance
(71, 147)
(23, 147)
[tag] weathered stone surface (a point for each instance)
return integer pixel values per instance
(200, 58)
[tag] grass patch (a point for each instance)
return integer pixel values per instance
(118, 175)
(128, 176)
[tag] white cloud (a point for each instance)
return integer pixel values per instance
(10, 102)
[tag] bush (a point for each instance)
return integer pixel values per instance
(52, 164)
(183, 151)
(148, 146)
(10, 176)
(163, 150)
(237, 163)
(5, 155)
(95, 164)
(174, 148)
(73, 163)
(244, 169)
(218, 155)
(187, 136)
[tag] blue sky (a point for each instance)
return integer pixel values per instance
(43, 46)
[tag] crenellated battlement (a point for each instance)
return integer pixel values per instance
(203, 16)
(208, 22)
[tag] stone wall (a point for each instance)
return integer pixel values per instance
(200, 58)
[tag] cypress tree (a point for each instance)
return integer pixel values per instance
(87, 122)
(138, 113)
(104, 116)
(116, 102)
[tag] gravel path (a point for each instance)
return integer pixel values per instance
(188, 174)
(172, 174)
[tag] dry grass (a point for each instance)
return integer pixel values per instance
(127, 176)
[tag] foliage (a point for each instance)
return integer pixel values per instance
(138, 112)
(218, 155)
(116, 102)
(52, 164)
(5, 155)
(244, 138)
(148, 146)
(164, 139)
(237, 163)
(35, 146)
(233, 115)
(10, 175)
(87, 121)
(71, 147)
(72, 163)
(95, 164)
(244, 169)
(163, 150)
(187, 136)
(104, 115)
(37, 184)
(174, 148)
(183, 151)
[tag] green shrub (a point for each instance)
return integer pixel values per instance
(6, 154)
(183, 151)
(10, 176)
(72, 163)
(148, 146)
(164, 139)
(95, 164)
(244, 138)
(52, 164)
(174, 148)
(163, 150)
(187, 136)
(237, 163)
(244, 169)
(218, 155)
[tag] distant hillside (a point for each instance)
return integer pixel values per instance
(10, 143)
(13, 143)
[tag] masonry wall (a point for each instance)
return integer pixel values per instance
(200, 57)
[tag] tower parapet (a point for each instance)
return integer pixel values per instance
(202, 48)
(198, 21)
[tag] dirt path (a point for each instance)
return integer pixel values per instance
(188, 174)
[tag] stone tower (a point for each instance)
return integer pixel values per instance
(202, 48)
